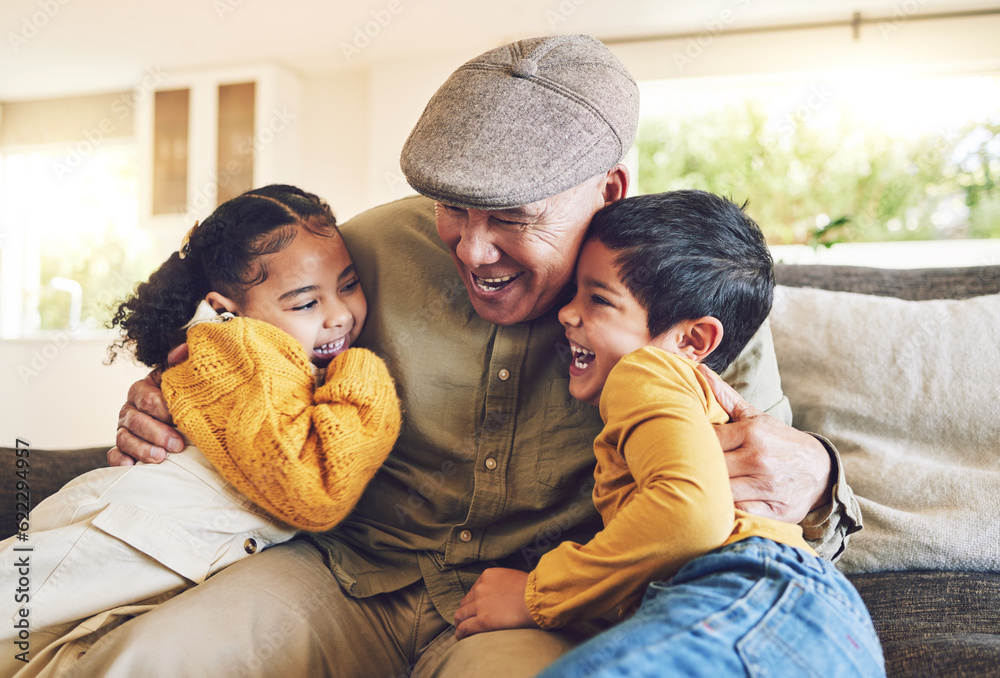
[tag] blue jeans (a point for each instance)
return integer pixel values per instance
(752, 608)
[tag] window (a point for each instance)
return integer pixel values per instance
(171, 113)
(234, 159)
(836, 157)
(71, 245)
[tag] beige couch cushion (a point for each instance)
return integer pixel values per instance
(909, 392)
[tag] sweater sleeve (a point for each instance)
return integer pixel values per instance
(246, 398)
(681, 506)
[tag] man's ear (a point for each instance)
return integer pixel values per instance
(222, 304)
(616, 186)
(699, 337)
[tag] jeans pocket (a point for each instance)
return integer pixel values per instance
(806, 633)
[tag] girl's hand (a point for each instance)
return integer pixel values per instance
(496, 601)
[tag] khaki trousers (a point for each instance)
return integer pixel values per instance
(281, 613)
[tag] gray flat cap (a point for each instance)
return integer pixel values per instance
(523, 122)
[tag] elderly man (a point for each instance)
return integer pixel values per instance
(516, 152)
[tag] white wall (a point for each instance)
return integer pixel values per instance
(57, 393)
(335, 130)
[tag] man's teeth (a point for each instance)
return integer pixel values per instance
(490, 284)
(331, 347)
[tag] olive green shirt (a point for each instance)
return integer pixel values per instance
(494, 465)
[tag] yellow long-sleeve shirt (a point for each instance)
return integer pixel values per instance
(662, 489)
(247, 398)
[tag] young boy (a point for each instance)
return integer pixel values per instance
(665, 282)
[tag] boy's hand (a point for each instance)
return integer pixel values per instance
(775, 471)
(496, 601)
(145, 432)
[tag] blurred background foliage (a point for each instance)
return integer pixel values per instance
(106, 269)
(851, 181)
(92, 238)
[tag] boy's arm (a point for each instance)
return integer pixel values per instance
(681, 506)
(246, 398)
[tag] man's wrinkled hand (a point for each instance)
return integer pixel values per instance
(775, 471)
(145, 431)
(496, 601)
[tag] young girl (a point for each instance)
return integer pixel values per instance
(273, 445)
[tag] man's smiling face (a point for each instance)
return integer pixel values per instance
(516, 262)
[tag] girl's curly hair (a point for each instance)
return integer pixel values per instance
(219, 256)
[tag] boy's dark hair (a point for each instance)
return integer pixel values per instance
(687, 254)
(219, 256)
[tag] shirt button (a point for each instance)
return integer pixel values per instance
(491, 463)
(504, 374)
(465, 535)
(250, 546)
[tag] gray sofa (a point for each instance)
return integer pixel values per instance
(934, 619)
(932, 622)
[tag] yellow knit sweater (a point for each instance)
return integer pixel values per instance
(247, 398)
